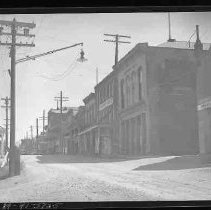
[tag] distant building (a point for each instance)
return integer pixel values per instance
(57, 122)
(88, 134)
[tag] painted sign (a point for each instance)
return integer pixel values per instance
(106, 104)
(204, 105)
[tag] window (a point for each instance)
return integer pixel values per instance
(122, 94)
(107, 91)
(128, 90)
(133, 86)
(139, 83)
(111, 89)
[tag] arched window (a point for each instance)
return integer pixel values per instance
(122, 94)
(127, 90)
(133, 75)
(139, 71)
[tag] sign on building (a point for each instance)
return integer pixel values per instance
(204, 105)
(106, 104)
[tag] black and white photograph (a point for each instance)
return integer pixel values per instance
(103, 107)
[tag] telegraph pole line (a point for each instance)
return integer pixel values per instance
(31, 128)
(117, 41)
(43, 118)
(14, 26)
(37, 127)
(6, 100)
(61, 99)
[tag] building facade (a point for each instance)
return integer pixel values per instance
(57, 122)
(157, 101)
(132, 109)
(87, 134)
(107, 119)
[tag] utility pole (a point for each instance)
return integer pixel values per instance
(117, 41)
(14, 26)
(6, 100)
(61, 100)
(37, 128)
(37, 134)
(43, 118)
(31, 128)
(96, 76)
(169, 26)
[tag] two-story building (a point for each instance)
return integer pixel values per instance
(87, 134)
(157, 101)
(107, 121)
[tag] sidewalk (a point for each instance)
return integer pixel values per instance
(4, 172)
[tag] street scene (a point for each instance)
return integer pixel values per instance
(105, 107)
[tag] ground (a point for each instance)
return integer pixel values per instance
(55, 178)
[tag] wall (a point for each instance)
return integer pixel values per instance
(173, 105)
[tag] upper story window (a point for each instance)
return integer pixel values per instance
(133, 76)
(107, 91)
(111, 88)
(127, 90)
(139, 72)
(122, 86)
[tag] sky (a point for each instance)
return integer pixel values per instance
(40, 80)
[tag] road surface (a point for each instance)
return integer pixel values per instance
(57, 178)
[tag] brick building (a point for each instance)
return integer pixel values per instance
(157, 96)
(107, 120)
(57, 122)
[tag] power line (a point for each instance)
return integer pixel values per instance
(117, 41)
(59, 77)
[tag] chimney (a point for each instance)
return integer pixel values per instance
(198, 45)
(169, 21)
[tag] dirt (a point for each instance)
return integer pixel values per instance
(67, 178)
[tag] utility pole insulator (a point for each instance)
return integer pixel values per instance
(117, 41)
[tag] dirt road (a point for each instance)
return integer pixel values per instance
(69, 178)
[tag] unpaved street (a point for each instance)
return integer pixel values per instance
(69, 178)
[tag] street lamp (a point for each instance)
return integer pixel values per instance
(81, 59)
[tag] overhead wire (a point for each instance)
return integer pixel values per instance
(59, 77)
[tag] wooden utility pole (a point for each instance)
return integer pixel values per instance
(37, 128)
(96, 76)
(6, 100)
(31, 128)
(61, 99)
(117, 41)
(14, 26)
(43, 118)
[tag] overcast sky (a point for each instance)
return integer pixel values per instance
(36, 85)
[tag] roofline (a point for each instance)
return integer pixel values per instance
(87, 98)
(105, 78)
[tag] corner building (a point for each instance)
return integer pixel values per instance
(157, 101)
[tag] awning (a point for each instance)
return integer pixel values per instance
(100, 126)
(87, 130)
